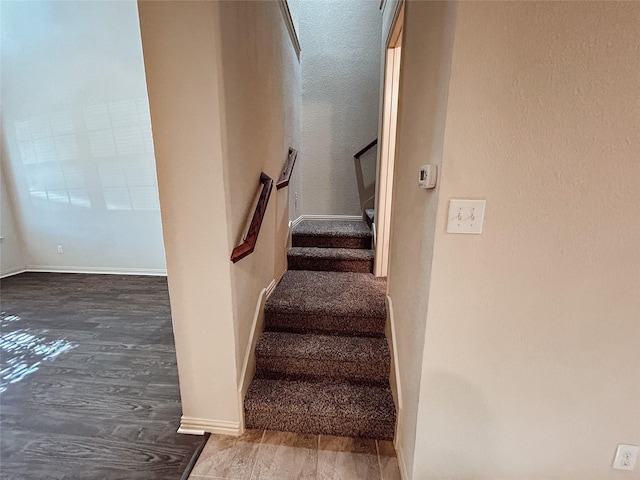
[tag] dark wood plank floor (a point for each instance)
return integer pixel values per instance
(108, 406)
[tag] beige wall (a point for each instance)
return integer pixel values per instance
(531, 365)
(224, 93)
(181, 44)
(426, 53)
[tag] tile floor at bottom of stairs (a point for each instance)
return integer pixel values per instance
(266, 455)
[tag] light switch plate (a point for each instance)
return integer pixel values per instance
(465, 216)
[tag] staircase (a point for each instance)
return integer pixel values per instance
(322, 363)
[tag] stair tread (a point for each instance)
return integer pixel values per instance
(338, 294)
(333, 228)
(321, 399)
(331, 259)
(332, 253)
(326, 347)
(354, 234)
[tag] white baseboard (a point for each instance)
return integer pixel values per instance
(249, 363)
(194, 426)
(272, 286)
(97, 270)
(344, 218)
(396, 384)
(186, 431)
(14, 271)
(396, 387)
(404, 474)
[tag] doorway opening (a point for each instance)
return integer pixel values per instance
(387, 147)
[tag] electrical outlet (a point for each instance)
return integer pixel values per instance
(626, 457)
(60, 249)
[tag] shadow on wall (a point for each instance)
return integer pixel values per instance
(340, 65)
(341, 120)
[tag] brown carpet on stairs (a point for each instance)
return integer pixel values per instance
(341, 409)
(323, 358)
(331, 259)
(332, 234)
(328, 302)
(322, 364)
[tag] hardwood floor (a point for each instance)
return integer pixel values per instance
(95, 386)
(269, 455)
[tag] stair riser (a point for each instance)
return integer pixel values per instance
(309, 323)
(330, 265)
(280, 368)
(299, 240)
(338, 426)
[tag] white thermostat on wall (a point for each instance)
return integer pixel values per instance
(428, 175)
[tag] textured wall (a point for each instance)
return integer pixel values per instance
(79, 152)
(340, 65)
(426, 51)
(531, 364)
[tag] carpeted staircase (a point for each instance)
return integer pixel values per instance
(322, 363)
